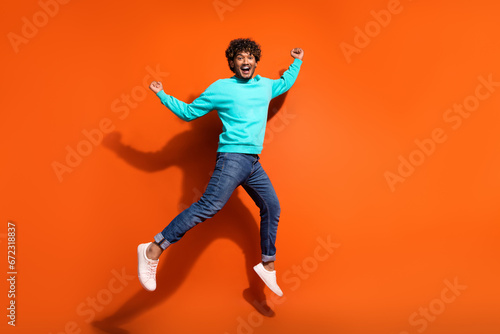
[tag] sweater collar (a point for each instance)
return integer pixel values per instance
(246, 81)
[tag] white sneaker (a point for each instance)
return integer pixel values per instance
(269, 277)
(146, 268)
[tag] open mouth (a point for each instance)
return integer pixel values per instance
(245, 69)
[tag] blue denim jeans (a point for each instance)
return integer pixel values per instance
(231, 170)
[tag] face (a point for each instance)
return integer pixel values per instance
(244, 65)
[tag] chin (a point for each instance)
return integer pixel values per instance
(248, 76)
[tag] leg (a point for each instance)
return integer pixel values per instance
(230, 171)
(259, 187)
(269, 265)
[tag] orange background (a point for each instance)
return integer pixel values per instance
(340, 128)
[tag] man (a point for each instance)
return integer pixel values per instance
(242, 103)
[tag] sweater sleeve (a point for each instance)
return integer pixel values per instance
(187, 112)
(287, 80)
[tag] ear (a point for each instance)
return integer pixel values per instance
(231, 64)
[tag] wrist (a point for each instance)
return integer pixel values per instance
(161, 94)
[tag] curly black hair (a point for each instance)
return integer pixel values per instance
(242, 45)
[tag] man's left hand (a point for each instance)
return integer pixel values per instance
(297, 53)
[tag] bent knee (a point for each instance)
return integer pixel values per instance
(274, 208)
(208, 208)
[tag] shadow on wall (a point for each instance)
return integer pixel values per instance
(194, 152)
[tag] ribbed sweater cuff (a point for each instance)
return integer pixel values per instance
(161, 94)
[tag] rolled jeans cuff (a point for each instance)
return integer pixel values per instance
(161, 241)
(267, 258)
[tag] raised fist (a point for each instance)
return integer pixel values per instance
(156, 86)
(297, 53)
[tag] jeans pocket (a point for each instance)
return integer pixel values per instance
(220, 155)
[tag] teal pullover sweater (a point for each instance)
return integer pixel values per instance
(242, 106)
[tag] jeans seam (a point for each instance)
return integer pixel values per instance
(268, 215)
(221, 169)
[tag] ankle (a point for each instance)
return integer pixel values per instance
(269, 266)
(153, 251)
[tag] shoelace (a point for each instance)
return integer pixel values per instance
(152, 269)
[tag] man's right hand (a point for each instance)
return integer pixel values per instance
(156, 86)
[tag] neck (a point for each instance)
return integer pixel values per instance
(242, 79)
